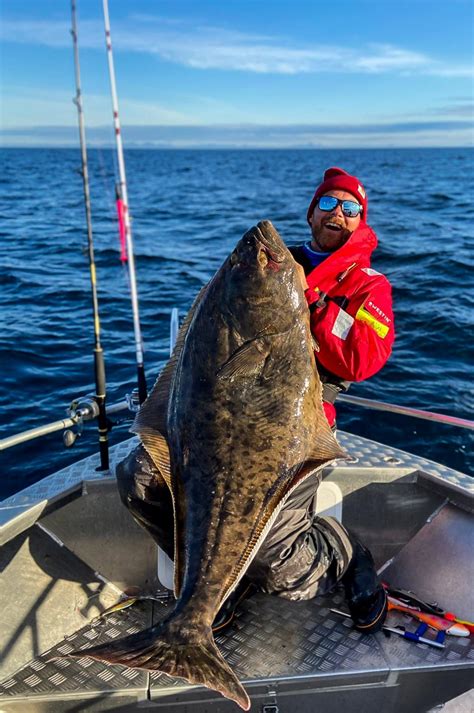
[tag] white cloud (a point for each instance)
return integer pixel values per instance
(218, 48)
(49, 106)
(52, 33)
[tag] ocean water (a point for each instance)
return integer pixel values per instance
(189, 208)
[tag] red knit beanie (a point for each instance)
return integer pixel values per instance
(338, 179)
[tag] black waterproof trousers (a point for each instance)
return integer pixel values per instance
(302, 556)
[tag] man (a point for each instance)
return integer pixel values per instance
(350, 303)
(352, 324)
(305, 555)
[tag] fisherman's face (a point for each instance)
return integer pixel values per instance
(330, 230)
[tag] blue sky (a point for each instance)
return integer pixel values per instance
(297, 73)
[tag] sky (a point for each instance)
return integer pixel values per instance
(279, 74)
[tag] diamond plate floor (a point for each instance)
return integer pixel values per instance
(48, 675)
(270, 639)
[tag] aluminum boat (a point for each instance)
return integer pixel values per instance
(71, 550)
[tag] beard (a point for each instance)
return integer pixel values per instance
(328, 240)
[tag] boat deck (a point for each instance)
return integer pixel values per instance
(278, 649)
(291, 656)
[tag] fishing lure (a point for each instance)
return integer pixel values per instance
(434, 621)
(411, 600)
(416, 636)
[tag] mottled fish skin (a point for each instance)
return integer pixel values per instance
(239, 407)
(238, 436)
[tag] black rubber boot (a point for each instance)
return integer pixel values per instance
(366, 598)
(226, 613)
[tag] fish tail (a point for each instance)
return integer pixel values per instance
(177, 651)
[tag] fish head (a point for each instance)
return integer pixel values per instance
(262, 273)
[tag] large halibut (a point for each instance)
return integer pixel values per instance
(234, 424)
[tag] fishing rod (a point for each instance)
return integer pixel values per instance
(123, 210)
(99, 366)
(82, 411)
(407, 411)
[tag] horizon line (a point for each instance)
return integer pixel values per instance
(237, 147)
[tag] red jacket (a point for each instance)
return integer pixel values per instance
(353, 322)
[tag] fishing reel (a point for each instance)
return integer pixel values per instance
(133, 401)
(82, 409)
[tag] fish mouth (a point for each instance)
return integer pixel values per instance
(260, 247)
(268, 255)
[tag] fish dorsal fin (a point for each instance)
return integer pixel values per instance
(323, 452)
(156, 446)
(151, 424)
(153, 413)
(326, 447)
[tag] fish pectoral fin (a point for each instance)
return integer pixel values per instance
(153, 412)
(247, 360)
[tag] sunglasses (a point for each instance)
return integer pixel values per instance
(350, 209)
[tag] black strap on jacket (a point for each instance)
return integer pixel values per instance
(330, 393)
(332, 384)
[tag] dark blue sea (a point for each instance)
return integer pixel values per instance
(189, 208)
